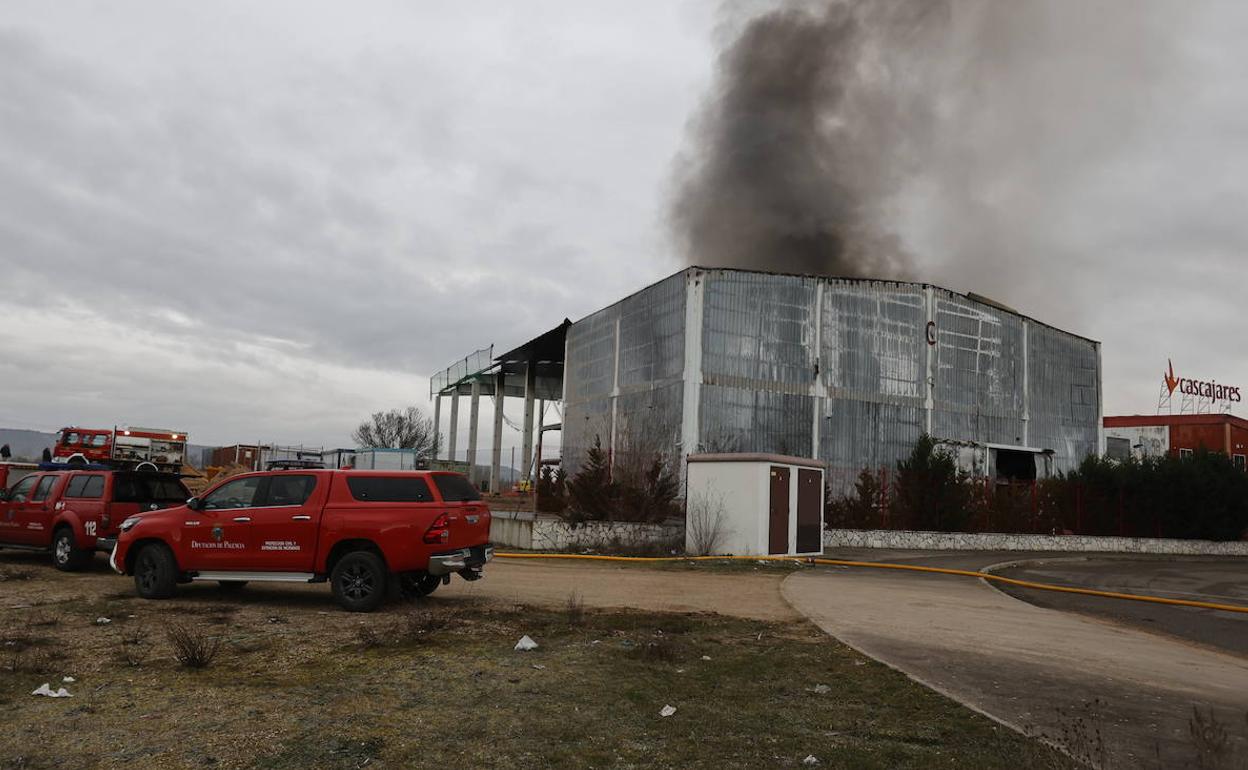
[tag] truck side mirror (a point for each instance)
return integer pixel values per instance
(195, 504)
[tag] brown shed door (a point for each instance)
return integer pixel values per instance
(778, 530)
(809, 502)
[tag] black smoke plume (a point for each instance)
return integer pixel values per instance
(841, 135)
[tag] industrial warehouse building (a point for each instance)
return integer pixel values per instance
(846, 371)
(849, 372)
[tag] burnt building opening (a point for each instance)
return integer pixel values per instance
(1014, 465)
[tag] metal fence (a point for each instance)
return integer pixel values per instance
(471, 364)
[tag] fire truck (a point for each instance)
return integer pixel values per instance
(126, 448)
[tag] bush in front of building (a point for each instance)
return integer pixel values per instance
(866, 508)
(929, 492)
(636, 487)
(1203, 497)
(552, 495)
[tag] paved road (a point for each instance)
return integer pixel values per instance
(1021, 663)
(1216, 580)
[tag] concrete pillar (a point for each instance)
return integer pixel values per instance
(474, 411)
(437, 427)
(530, 393)
(454, 427)
(537, 461)
(496, 454)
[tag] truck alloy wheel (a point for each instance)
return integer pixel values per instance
(155, 572)
(359, 581)
(67, 556)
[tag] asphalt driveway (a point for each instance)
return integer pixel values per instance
(1217, 580)
(1040, 670)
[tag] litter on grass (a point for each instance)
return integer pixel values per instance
(706, 657)
(822, 689)
(810, 759)
(103, 621)
(44, 689)
(68, 679)
(667, 711)
(526, 643)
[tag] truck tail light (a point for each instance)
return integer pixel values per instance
(439, 531)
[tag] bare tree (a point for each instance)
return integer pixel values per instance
(399, 429)
(705, 523)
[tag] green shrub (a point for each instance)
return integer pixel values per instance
(930, 493)
(1203, 496)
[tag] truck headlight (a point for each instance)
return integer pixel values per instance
(129, 523)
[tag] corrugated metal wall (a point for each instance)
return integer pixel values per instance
(779, 351)
(873, 362)
(978, 389)
(1064, 377)
(648, 330)
(758, 363)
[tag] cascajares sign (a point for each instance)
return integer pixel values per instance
(1205, 388)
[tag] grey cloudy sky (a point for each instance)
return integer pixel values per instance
(265, 220)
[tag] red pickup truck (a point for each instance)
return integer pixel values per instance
(75, 513)
(363, 531)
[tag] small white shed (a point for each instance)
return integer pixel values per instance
(753, 504)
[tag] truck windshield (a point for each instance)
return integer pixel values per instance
(148, 488)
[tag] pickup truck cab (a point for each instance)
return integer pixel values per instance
(363, 531)
(74, 513)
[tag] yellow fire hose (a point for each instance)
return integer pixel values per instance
(886, 565)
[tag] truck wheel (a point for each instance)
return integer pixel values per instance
(155, 572)
(231, 586)
(359, 581)
(66, 555)
(414, 585)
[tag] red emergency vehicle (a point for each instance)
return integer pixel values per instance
(121, 447)
(75, 512)
(363, 531)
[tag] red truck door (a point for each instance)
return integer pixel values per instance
(285, 524)
(13, 530)
(34, 516)
(84, 498)
(217, 537)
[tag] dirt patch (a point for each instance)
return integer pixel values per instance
(298, 683)
(740, 590)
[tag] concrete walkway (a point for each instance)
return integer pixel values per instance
(1022, 664)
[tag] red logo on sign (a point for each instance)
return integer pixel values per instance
(1172, 382)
